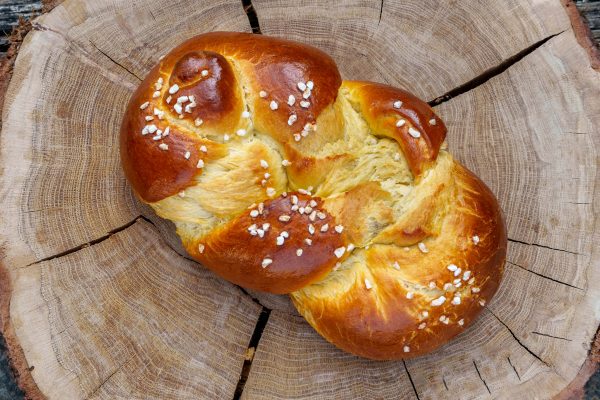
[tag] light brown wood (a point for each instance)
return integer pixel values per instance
(104, 303)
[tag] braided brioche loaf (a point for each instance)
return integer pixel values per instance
(281, 177)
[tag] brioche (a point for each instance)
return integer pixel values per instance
(283, 178)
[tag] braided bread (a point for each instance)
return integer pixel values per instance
(281, 177)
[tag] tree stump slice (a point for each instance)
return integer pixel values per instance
(99, 300)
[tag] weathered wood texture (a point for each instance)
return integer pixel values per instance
(103, 305)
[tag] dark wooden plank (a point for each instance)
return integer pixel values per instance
(10, 11)
(8, 386)
(590, 9)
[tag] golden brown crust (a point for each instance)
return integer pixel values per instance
(275, 66)
(237, 250)
(153, 172)
(275, 230)
(210, 79)
(250, 117)
(376, 102)
(202, 67)
(381, 322)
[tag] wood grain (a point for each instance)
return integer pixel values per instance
(103, 304)
(307, 366)
(128, 317)
(426, 47)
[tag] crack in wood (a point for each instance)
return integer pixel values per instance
(445, 383)
(35, 210)
(258, 329)
(166, 242)
(261, 323)
(480, 377)
(189, 258)
(544, 247)
(36, 26)
(105, 380)
(517, 339)
(380, 12)
(410, 379)
(87, 244)
(115, 61)
(151, 14)
(513, 367)
(489, 73)
(551, 336)
(85, 57)
(544, 276)
(254, 299)
(252, 16)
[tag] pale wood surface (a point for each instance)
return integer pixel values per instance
(128, 316)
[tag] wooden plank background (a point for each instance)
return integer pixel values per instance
(10, 13)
